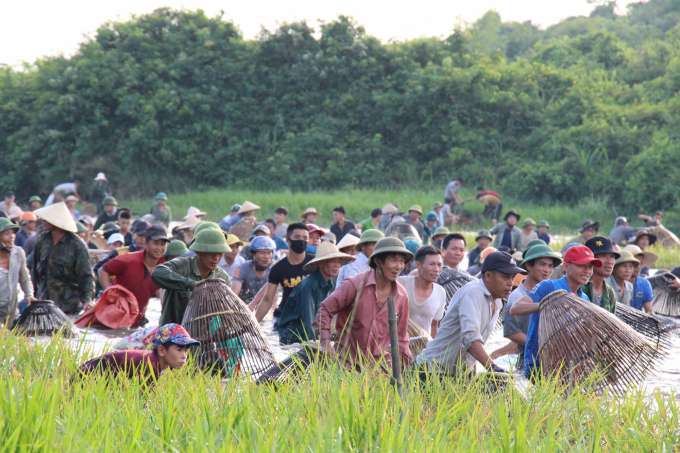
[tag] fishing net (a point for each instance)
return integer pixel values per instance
(294, 366)
(664, 237)
(418, 338)
(452, 280)
(659, 331)
(666, 300)
(231, 339)
(579, 341)
(243, 228)
(42, 317)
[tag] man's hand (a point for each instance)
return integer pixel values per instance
(88, 305)
(675, 284)
(496, 369)
(326, 348)
(29, 299)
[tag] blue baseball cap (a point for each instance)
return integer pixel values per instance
(175, 334)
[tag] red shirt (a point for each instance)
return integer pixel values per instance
(141, 364)
(132, 274)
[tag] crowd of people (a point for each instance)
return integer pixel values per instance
(333, 283)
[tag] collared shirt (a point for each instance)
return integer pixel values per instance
(61, 272)
(228, 221)
(356, 267)
(500, 230)
(642, 293)
(178, 278)
(627, 290)
(367, 224)
(606, 301)
(471, 316)
(513, 324)
(298, 315)
(369, 333)
(143, 365)
(341, 232)
(230, 270)
(537, 294)
(164, 216)
(132, 274)
(114, 253)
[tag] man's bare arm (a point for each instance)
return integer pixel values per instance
(267, 301)
(524, 306)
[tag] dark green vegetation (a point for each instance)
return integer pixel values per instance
(175, 100)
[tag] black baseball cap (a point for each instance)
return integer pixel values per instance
(156, 233)
(141, 226)
(503, 262)
(602, 244)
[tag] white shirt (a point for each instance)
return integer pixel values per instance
(231, 270)
(431, 309)
(356, 267)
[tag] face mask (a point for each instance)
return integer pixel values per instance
(298, 246)
(311, 249)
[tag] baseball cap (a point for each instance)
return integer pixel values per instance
(173, 333)
(503, 262)
(235, 207)
(602, 244)
(115, 237)
(580, 255)
(155, 233)
(141, 226)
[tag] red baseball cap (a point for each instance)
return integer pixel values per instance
(312, 228)
(580, 254)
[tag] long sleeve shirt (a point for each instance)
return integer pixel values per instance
(164, 216)
(298, 315)
(357, 266)
(515, 235)
(471, 316)
(178, 278)
(369, 334)
(18, 274)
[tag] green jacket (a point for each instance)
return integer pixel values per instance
(164, 216)
(301, 307)
(608, 296)
(61, 272)
(366, 225)
(515, 236)
(105, 217)
(178, 278)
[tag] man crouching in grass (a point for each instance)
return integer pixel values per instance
(171, 347)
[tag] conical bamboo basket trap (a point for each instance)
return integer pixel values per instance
(231, 339)
(577, 339)
(665, 237)
(657, 330)
(294, 366)
(243, 228)
(452, 280)
(418, 338)
(666, 300)
(42, 317)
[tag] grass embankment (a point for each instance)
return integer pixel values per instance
(330, 411)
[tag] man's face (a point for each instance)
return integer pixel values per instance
(9, 200)
(528, 229)
(638, 268)
(542, 269)
(367, 248)
(156, 248)
(272, 229)
(247, 213)
(580, 273)
(124, 225)
(114, 245)
(511, 220)
(109, 208)
(264, 257)
(338, 216)
(175, 355)
(430, 269)
(483, 243)
(71, 204)
(234, 251)
(658, 217)
(430, 223)
(7, 238)
(161, 203)
(642, 242)
(314, 239)
(140, 240)
(542, 230)
(209, 260)
(331, 267)
(454, 253)
(298, 235)
(47, 226)
(35, 205)
(498, 284)
(414, 215)
(624, 271)
(280, 218)
(392, 267)
(30, 225)
(378, 219)
(608, 261)
(588, 233)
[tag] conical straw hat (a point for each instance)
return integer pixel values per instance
(58, 215)
(648, 257)
(189, 222)
(194, 212)
(349, 240)
(389, 208)
(247, 207)
(327, 251)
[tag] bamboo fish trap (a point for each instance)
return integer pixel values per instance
(243, 228)
(418, 338)
(400, 230)
(665, 237)
(666, 300)
(294, 366)
(656, 329)
(42, 317)
(231, 340)
(578, 339)
(452, 281)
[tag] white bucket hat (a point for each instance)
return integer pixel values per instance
(58, 215)
(100, 177)
(327, 251)
(195, 212)
(248, 207)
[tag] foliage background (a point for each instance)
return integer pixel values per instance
(178, 101)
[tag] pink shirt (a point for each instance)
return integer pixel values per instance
(370, 331)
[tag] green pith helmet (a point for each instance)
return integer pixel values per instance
(369, 236)
(6, 224)
(210, 241)
(532, 243)
(389, 245)
(81, 228)
(108, 201)
(161, 196)
(541, 251)
(110, 226)
(528, 221)
(200, 226)
(441, 231)
(543, 223)
(176, 248)
(34, 198)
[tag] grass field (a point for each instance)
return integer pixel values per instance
(331, 411)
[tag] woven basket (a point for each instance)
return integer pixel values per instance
(294, 366)
(42, 317)
(666, 300)
(658, 330)
(577, 339)
(243, 228)
(452, 280)
(418, 338)
(231, 339)
(401, 230)
(664, 237)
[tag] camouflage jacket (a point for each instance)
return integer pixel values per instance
(62, 273)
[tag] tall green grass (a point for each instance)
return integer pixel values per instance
(328, 411)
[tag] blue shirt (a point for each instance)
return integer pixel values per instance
(507, 238)
(537, 294)
(20, 238)
(280, 243)
(545, 237)
(228, 222)
(642, 293)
